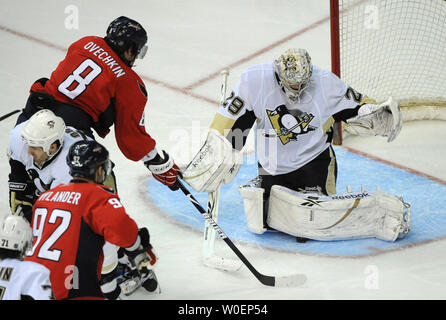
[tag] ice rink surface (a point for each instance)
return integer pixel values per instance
(190, 42)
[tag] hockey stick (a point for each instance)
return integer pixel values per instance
(285, 281)
(209, 232)
(209, 257)
(9, 114)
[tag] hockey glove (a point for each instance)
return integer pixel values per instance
(164, 170)
(384, 119)
(22, 195)
(143, 256)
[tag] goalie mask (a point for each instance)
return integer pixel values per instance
(15, 233)
(42, 130)
(293, 70)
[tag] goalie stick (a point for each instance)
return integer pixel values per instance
(210, 259)
(284, 281)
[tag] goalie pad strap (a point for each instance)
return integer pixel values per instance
(252, 196)
(338, 217)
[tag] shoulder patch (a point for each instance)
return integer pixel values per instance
(143, 89)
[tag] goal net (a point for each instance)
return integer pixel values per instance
(395, 48)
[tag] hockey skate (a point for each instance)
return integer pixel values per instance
(130, 279)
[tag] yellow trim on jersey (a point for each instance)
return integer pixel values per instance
(367, 100)
(327, 125)
(14, 203)
(108, 268)
(222, 124)
(330, 186)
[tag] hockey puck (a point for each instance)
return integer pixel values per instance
(150, 285)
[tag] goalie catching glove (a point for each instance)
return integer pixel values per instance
(163, 169)
(384, 119)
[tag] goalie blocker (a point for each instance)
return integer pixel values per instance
(216, 163)
(319, 217)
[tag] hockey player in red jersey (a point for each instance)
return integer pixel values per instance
(94, 87)
(72, 222)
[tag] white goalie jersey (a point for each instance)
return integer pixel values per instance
(288, 135)
(20, 280)
(53, 172)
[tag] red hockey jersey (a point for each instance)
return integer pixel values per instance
(92, 77)
(70, 226)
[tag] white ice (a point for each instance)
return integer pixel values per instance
(189, 41)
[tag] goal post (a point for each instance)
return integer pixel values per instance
(335, 59)
(395, 48)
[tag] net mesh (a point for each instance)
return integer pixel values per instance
(396, 48)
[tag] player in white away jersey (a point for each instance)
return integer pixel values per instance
(20, 280)
(293, 105)
(37, 156)
(38, 152)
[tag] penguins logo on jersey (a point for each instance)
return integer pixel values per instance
(288, 124)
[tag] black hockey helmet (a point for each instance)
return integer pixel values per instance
(124, 33)
(85, 157)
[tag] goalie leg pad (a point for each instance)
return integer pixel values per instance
(216, 163)
(108, 282)
(252, 196)
(110, 262)
(338, 217)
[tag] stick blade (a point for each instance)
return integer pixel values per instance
(221, 263)
(295, 280)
